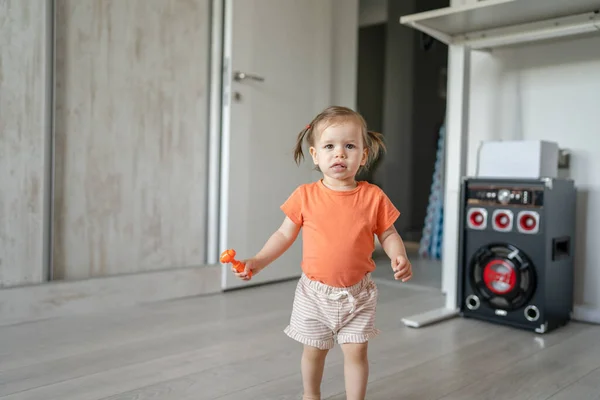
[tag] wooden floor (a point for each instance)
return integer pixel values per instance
(231, 346)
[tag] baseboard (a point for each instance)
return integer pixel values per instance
(584, 313)
(59, 299)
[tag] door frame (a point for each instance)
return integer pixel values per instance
(225, 80)
(50, 144)
(218, 137)
(216, 147)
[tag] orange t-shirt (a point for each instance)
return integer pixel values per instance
(338, 229)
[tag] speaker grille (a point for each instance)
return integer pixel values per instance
(502, 276)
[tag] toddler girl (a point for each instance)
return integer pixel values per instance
(335, 297)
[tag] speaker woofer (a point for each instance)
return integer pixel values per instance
(502, 276)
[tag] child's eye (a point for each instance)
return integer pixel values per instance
(329, 146)
(350, 146)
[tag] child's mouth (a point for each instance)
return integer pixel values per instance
(338, 167)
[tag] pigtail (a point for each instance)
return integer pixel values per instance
(298, 154)
(375, 146)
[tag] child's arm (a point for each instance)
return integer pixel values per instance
(394, 247)
(277, 244)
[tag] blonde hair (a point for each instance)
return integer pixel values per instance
(372, 141)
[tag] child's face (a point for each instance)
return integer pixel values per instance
(339, 151)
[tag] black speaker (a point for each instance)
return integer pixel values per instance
(516, 251)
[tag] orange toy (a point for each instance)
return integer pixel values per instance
(228, 256)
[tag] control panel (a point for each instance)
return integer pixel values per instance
(497, 195)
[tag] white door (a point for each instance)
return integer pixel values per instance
(284, 48)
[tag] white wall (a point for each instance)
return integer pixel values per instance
(552, 92)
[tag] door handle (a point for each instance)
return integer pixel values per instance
(240, 76)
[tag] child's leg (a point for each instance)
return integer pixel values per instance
(312, 365)
(310, 325)
(356, 370)
(358, 327)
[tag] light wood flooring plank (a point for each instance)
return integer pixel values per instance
(207, 363)
(396, 349)
(137, 340)
(121, 369)
(393, 351)
(541, 375)
(586, 388)
(53, 339)
(231, 347)
(180, 347)
(450, 372)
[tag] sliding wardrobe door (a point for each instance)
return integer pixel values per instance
(131, 136)
(25, 87)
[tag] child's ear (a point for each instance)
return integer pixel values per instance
(365, 157)
(313, 153)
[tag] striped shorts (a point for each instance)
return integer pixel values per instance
(321, 313)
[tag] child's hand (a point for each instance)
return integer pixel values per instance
(250, 266)
(402, 268)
